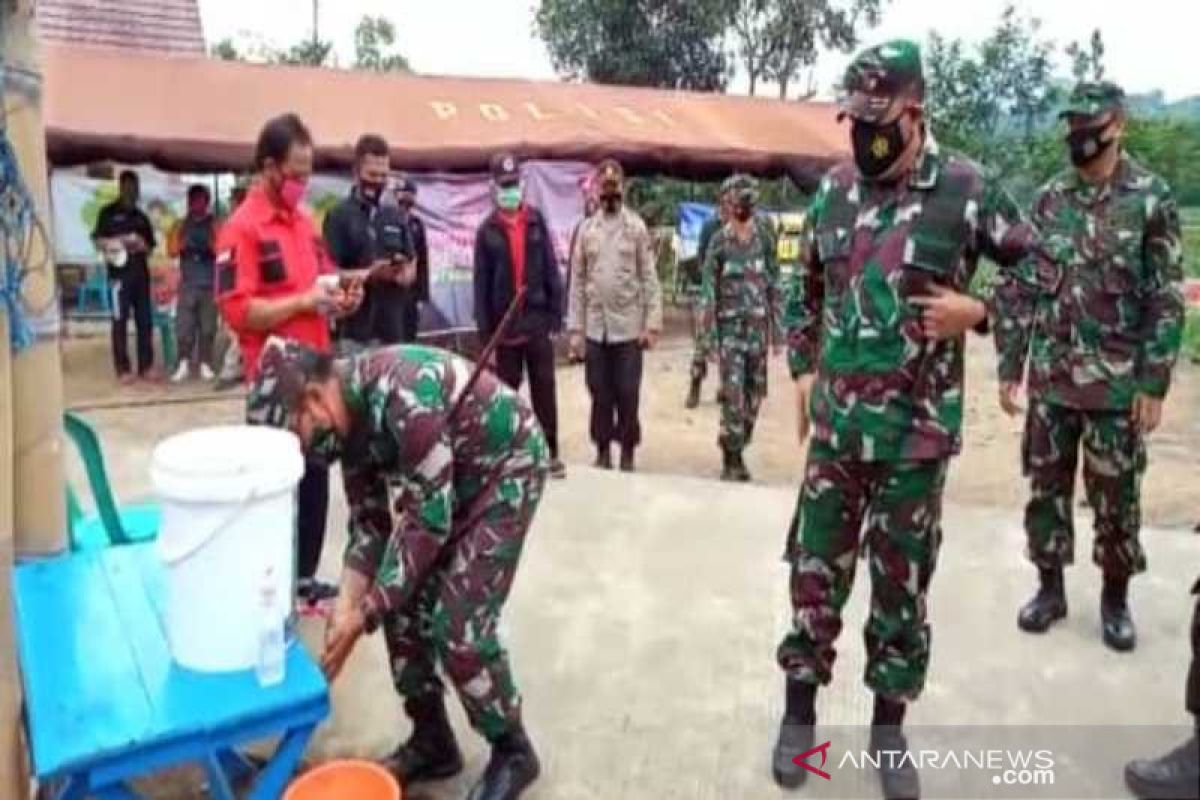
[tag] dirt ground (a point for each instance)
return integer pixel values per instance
(676, 440)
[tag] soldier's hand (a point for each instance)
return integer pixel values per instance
(649, 340)
(1147, 413)
(804, 386)
(343, 633)
(1008, 398)
(947, 313)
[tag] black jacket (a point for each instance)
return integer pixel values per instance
(494, 289)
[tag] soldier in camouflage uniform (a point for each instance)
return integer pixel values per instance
(876, 313)
(739, 302)
(435, 570)
(1102, 325)
(702, 335)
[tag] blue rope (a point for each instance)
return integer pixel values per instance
(18, 221)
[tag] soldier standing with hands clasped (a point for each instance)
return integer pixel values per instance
(740, 302)
(1101, 328)
(875, 316)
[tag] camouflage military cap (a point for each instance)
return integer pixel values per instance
(743, 189)
(284, 368)
(881, 79)
(1094, 99)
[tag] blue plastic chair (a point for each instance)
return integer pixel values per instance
(94, 293)
(111, 524)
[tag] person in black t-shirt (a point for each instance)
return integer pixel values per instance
(364, 236)
(406, 199)
(125, 238)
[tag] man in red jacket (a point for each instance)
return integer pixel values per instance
(269, 260)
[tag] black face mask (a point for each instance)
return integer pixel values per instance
(876, 147)
(611, 202)
(742, 213)
(370, 191)
(1087, 144)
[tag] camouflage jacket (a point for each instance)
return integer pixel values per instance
(883, 391)
(1104, 320)
(741, 280)
(400, 399)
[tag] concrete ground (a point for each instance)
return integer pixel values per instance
(646, 613)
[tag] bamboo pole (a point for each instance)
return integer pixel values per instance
(39, 507)
(31, 500)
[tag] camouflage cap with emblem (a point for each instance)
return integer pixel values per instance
(284, 369)
(881, 80)
(1094, 99)
(742, 189)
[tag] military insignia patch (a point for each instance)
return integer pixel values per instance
(880, 147)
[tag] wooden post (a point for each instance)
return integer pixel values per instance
(32, 508)
(38, 495)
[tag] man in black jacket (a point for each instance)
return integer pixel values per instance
(406, 198)
(365, 236)
(513, 249)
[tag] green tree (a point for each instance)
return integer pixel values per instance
(777, 39)
(372, 38)
(1087, 62)
(675, 44)
(226, 50)
(310, 52)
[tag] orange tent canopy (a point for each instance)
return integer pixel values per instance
(200, 114)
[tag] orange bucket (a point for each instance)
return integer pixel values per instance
(345, 780)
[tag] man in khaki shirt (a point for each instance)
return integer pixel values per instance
(615, 307)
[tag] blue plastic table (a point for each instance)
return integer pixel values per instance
(105, 702)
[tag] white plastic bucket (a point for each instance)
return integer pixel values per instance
(228, 498)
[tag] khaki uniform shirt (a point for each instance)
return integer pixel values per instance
(615, 294)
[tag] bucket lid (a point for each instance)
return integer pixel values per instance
(226, 464)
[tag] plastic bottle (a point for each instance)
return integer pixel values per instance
(271, 647)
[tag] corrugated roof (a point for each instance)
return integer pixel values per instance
(164, 26)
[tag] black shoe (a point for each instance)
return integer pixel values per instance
(741, 474)
(796, 734)
(693, 398)
(603, 458)
(728, 473)
(558, 470)
(511, 769)
(1047, 606)
(1115, 619)
(311, 591)
(627, 459)
(898, 775)
(431, 752)
(1175, 776)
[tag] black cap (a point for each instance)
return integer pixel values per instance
(506, 170)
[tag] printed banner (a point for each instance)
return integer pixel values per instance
(692, 217)
(451, 205)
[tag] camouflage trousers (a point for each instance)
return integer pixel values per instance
(1114, 459)
(890, 513)
(455, 616)
(742, 355)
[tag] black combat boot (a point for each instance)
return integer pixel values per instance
(693, 398)
(604, 457)
(1117, 624)
(741, 474)
(796, 733)
(1047, 606)
(897, 771)
(1175, 776)
(431, 752)
(511, 769)
(728, 471)
(627, 459)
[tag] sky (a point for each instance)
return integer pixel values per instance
(495, 38)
